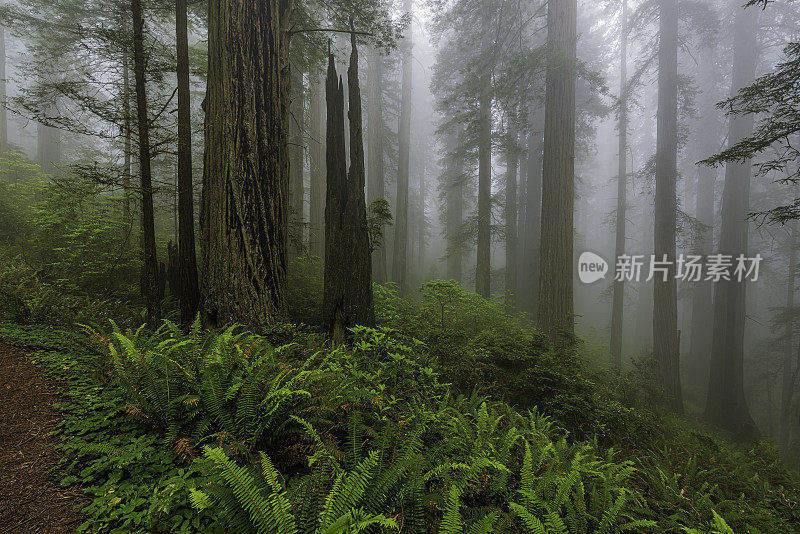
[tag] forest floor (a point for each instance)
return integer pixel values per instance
(30, 497)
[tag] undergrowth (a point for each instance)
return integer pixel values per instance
(235, 432)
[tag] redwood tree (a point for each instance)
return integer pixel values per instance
(245, 180)
(665, 292)
(555, 315)
(727, 405)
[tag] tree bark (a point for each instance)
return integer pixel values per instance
(316, 230)
(151, 273)
(512, 163)
(555, 314)
(400, 255)
(665, 293)
(618, 305)
(375, 166)
(187, 254)
(296, 154)
(347, 299)
(244, 212)
(727, 405)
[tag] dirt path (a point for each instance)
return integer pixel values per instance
(30, 498)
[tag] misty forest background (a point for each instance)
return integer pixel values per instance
(310, 265)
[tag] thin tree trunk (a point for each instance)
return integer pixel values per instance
(421, 225)
(454, 199)
(533, 216)
(400, 255)
(316, 231)
(555, 314)
(512, 162)
(296, 154)
(483, 268)
(787, 372)
(3, 113)
(151, 275)
(127, 172)
(48, 145)
(187, 255)
(244, 213)
(702, 294)
(375, 166)
(618, 306)
(727, 405)
(347, 299)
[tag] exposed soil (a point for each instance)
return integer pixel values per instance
(31, 499)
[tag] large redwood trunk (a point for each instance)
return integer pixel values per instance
(556, 306)
(244, 212)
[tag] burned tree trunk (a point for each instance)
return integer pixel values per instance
(347, 298)
(245, 181)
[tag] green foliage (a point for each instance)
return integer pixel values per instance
(306, 438)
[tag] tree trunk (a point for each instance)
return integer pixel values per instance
(127, 171)
(375, 173)
(702, 303)
(3, 113)
(483, 268)
(421, 225)
(533, 216)
(296, 153)
(787, 371)
(454, 208)
(555, 314)
(244, 213)
(347, 299)
(151, 273)
(316, 231)
(665, 292)
(512, 162)
(618, 306)
(400, 255)
(48, 145)
(727, 405)
(187, 255)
